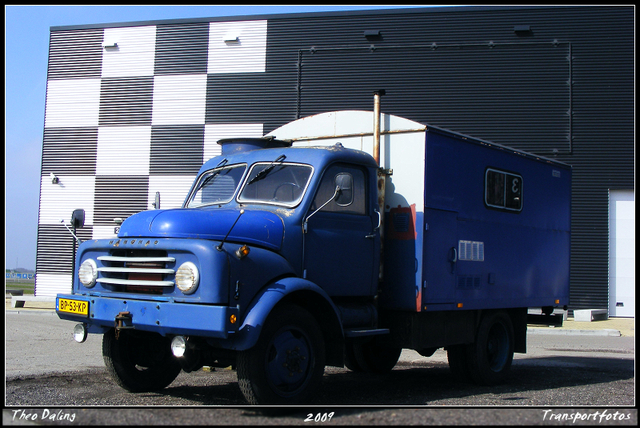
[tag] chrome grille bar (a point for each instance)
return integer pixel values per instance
(116, 281)
(137, 259)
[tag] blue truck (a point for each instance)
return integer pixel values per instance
(322, 244)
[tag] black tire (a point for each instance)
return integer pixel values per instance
(372, 357)
(490, 357)
(139, 361)
(287, 363)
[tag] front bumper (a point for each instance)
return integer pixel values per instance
(163, 317)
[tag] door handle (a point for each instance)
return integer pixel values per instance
(454, 259)
(373, 233)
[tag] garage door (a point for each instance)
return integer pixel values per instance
(622, 253)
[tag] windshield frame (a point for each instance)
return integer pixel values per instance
(248, 178)
(201, 180)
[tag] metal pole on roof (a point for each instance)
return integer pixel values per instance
(382, 175)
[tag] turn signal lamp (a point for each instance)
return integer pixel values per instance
(557, 301)
(233, 319)
(459, 305)
(242, 252)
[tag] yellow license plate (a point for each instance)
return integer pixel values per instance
(78, 307)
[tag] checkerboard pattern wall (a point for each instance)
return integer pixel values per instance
(127, 115)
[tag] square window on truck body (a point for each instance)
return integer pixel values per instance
(503, 190)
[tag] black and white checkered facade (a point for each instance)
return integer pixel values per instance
(126, 117)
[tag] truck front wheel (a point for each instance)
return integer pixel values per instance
(139, 361)
(490, 357)
(287, 363)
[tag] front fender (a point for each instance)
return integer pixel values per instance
(262, 305)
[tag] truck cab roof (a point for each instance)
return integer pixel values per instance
(252, 150)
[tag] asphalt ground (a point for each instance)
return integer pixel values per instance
(436, 414)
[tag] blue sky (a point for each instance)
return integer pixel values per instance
(26, 54)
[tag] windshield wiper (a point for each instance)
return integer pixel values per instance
(262, 174)
(213, 174)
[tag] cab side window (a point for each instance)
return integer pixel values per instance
(352, 198)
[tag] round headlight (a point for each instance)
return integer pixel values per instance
(187, 278)
(88, 273)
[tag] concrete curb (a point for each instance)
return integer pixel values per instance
(602, 332)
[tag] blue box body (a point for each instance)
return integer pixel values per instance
(525, 255)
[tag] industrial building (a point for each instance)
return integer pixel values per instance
(136, 108)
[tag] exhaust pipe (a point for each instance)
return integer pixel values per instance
(382, 175)
(376, 125)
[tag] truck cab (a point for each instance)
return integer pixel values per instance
(269, 237)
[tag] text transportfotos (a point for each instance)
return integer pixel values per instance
(598, 416)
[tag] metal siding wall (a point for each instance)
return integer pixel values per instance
(75, 54)
(182, 49)
(603, 155)
(126, 101)
(460, 87)
(575, 96)
(125, 118)
(73, 102)
(179, 99)
(176, 149)
(244, 52)
(69, 151)
(123, 150)
(133, 53)
(119, 196)
(57, 201)
(173, 190)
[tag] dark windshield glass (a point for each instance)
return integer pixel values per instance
(278, 184)
(217, 186)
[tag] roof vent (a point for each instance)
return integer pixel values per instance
(238, 145)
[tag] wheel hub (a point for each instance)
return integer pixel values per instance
(294, 361)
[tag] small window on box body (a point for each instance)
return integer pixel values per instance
(503, 190)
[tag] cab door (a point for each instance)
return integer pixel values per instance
(341, 237)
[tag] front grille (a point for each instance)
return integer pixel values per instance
(136, 271)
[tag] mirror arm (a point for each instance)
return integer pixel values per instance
(333, 198)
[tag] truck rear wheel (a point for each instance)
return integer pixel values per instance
(490, 357)
(139, 361)
(287, 363)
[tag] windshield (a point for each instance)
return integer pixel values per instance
(278, 184)
(217, 186)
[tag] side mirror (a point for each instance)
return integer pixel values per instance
(156, 203)
(344, 196)
(77, 218)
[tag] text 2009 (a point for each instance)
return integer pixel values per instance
(320, 417)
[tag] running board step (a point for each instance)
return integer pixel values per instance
(352, 332)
